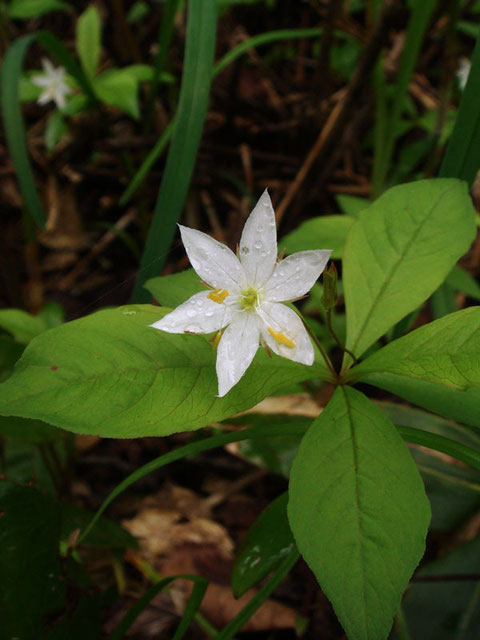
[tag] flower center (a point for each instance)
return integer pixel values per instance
(249, 298)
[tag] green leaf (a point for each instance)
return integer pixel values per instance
(118, 89)
(189, 120)
(22, 325)
(112, 374)
(107, 534)
(461, 280)
(173, 290)
(31, 587)
(10, 352)
(446, 609)
(436, 366)
(267, 542)
(351, 205)
(30, 431)
(324, 232)
(55, 129)
(87, 40)
(399, 251)
(358, 512)
(25, 9)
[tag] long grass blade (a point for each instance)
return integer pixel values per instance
(192, 449)
(12, 113)
(199, 587)
(228, 632)
(462, 157)
(192, 110)
(416, 29)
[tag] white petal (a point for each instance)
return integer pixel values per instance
(214, 262)
(258, 245)
(59, 99)
(296, 275)
(48, 66)
(41, 81)
(198, 314)
(236, 350)
(280, 318)
(44, 97)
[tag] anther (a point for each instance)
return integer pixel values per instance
(218, 295)
(280, 338)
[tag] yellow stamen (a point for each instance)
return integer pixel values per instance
(218, 295)
(280, 338)
(216, 340)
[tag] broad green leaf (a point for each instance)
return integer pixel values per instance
(112, 374)
(324, 232)
(358, 512)
(436, 366)
(21, 325)
(25, 9)
(268, 541)
(87, 40)
(31, 588)
(399, 251)
(446, 609)
(118, 89)
(172, 290)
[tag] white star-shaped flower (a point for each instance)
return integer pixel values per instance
(53, 82)
(243, 305)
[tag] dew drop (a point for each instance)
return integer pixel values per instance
(209, 313)
(260, 228)
(199, 303)
(282, 272)
(258, 245)
(191, 313)
(264, 254)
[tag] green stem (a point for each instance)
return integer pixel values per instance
(336, 338)
(328, 362)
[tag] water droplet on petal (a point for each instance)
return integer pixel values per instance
(260, 228)
(258, 245)
(209, 312)
(200, 303)
(191, 313)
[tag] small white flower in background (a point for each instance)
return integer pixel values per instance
(53, 82)
(463, 71)
(243, 305)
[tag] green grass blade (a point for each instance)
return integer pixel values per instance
(192, 449)
(12, 113)
(416, 29)
(192, 109)
(262, 39)
(199, 587)
(462, 157)
(15, 129)
(440, 443)
(147, 164)
(228, 632)
(161, 60)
